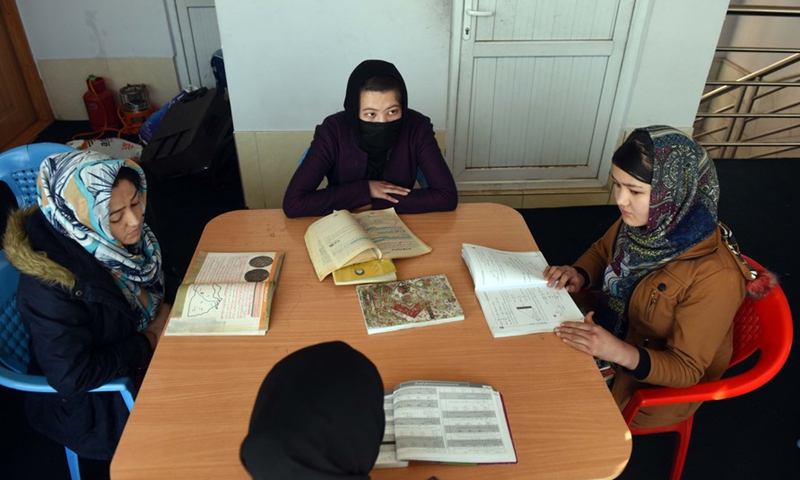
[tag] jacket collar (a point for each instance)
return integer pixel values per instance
(35, 263)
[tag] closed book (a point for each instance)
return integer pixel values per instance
(374, 271)
(414, 302)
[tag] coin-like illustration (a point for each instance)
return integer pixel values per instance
(261, 261)
(256, 275)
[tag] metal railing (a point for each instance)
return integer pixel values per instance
(749, 89)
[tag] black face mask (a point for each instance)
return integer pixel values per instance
(378, 137)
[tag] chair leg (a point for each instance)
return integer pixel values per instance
(684, 431)
(72, 462)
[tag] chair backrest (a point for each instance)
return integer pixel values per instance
(19, 168)
(14, 337)
(764, 325)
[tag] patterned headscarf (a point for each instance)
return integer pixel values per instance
(74, 194)
(683, 212)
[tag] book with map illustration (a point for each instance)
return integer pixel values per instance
(226, 294)
(414, 302)
(513, 293)
(343, 238)
(449, 422)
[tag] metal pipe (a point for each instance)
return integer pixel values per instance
(740, 126)
(758, 49)
(753, 83)
(748, 115)
(762, 155)
(707, 133)
(785, 62)
(750, 144)
(764, 10)
(771, 132)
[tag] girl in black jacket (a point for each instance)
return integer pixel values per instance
(91, 294)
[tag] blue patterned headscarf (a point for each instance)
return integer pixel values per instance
(74, 194)
(683, 213)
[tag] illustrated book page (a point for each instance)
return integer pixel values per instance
(454, 422)
(226, 294)
(409, 303)
(343, 238)
(513, 293)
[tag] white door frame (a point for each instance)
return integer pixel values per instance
(188, 74)
(616, 130)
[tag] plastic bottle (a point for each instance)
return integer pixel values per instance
(100, 104)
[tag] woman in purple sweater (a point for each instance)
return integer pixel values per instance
(371, 153)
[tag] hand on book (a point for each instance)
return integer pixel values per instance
(385, 190)
(563, 276)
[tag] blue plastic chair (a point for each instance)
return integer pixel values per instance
(14, 356)
(19, 168)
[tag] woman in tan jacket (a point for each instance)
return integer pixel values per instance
(670, 283)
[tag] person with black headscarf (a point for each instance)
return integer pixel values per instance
(318, 415)
(372, 153)
(670, 277)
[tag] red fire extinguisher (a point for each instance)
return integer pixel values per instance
(100, 104)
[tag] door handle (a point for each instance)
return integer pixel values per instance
(478, 13)
(466, 32)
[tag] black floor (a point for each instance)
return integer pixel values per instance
(751, 437)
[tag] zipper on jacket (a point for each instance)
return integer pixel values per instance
(651, 303)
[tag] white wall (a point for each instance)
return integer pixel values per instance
(287, 62)
(96, 28)
(676, 53)
(121, 41)
(275, 87)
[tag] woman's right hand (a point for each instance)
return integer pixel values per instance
(385, 190)
(156, 327)
(563, 276)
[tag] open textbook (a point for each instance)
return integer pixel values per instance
(452, 422)
(513, 293)
(343, 238)
(226, 294)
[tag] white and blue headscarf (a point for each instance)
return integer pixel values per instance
(74, 194)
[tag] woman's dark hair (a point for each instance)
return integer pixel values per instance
(384, 83)
(635, 156)
(129, 174)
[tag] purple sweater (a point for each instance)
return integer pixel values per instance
(334, 153)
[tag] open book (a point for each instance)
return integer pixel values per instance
(513, 293)
(414, 302)
(453, 422)
(343, 238)
(226, 294)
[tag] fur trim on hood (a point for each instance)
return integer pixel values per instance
(23, 257)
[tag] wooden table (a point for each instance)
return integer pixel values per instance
(194, 407)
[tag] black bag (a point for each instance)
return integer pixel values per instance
(188, 136)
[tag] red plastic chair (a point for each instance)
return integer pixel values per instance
(764, 324)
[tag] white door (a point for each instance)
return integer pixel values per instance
(536, 86)
(195, 33)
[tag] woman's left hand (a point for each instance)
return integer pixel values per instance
(385, 190)
(595, 340)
